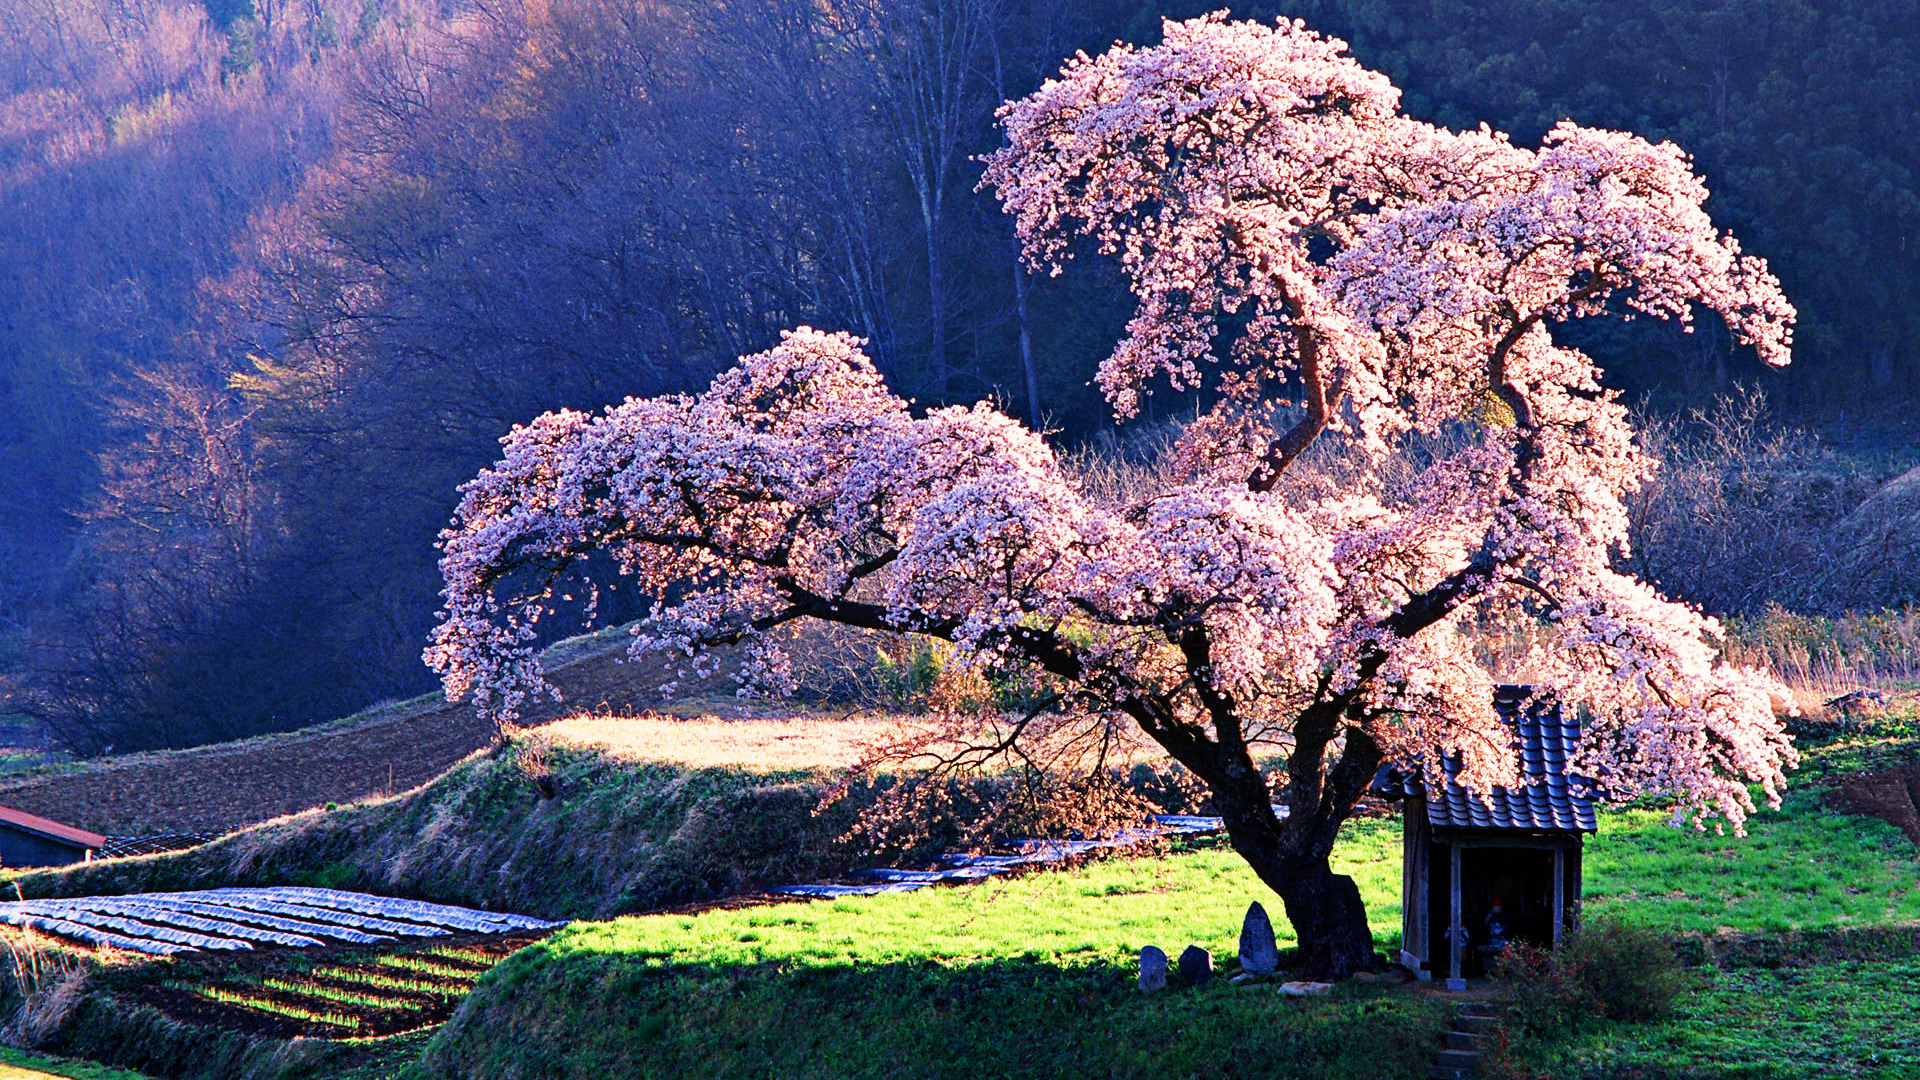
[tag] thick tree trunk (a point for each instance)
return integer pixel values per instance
(1291, 855)
(1329, 919)
(1330, 922)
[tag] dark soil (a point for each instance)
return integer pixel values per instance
(1891, 795)
(232, 785)
(169, 986)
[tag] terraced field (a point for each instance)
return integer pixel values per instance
(335, 994)
(275, 963)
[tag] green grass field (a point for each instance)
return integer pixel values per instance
(1034, 976)
(1801, 868)
(1826, 1020)
(1030, 977)
(1804, 869)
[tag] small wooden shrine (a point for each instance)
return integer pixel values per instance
(1483, 869)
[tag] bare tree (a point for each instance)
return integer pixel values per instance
(925, 58)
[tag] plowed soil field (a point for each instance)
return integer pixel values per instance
(230, 785)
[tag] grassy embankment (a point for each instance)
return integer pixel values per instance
(619, 835)
(1812, 924)
(1840, 1018)
(1032, 976)
(1029, 977)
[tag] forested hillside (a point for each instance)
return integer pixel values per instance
(275, 276)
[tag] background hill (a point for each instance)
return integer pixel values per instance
(276, 274)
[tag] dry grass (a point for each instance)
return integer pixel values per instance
(49, 980)
(759, 743)
(1854, 672)
(756, 743)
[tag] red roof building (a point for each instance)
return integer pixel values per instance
(30, 840)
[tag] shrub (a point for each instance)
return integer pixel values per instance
(1605, 969)
(1543, 997)
(1627, 972)
(1746, 512)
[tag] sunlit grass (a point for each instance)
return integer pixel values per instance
(20, 1065)
(1801, 868)
(389, 982)
(324, 992)
(758, 744)
(272, 1007)
(466, 955)
(1830, 1020)
(1031, 976)
(1116, 906)
(1034, 975)
(408, 962)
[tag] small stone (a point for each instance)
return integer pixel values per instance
(1305, 989)
(1258, 951)
(1248, 978)
(1153, 969)
(1196, 965)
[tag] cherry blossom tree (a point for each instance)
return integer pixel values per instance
(1345, 284)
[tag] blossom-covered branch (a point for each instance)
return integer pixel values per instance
(1347, 281)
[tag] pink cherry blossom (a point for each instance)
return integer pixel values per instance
(1348, 283)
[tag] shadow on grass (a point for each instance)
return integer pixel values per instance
(633, 1015)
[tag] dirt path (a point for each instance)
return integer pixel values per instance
(230, 785)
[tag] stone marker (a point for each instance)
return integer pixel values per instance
(1196, 965)
(1153, 969)
(1258, 952)
(1305, 989)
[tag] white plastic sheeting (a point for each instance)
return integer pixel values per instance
(964, 868)
(229, 919)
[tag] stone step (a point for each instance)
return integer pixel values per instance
(1477, 1025)
(1464, 1040)
(1457, 1059)
(1475, 1008)
(1444, 1072)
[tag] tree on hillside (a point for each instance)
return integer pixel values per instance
(1345, 283)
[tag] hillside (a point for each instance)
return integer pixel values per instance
(640, 813)
(1035, 976)
(384, 750)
